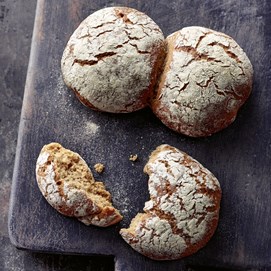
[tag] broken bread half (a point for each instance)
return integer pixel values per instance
(182, 213)
(68, 185)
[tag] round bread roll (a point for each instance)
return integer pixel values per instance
(113, 59)
(206, 79)
(182, 213)
(66, 182)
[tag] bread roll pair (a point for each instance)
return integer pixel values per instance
(195, 80)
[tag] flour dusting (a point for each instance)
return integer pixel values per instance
(91, 128)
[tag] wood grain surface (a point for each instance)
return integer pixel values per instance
(239, 156)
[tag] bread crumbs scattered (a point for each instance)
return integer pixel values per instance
(133, 157)
(99, 167)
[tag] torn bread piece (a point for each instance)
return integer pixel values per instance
(182, 213)
(67, 183)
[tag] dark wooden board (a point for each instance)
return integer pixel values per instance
(240, 156)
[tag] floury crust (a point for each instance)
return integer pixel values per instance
(113, 59)
(206, 79)
(182, 213)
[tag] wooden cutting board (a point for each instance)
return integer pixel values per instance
(240, 156)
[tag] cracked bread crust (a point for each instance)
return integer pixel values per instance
(182, 213)
(206, 79)
(113, 59)
(68, 185)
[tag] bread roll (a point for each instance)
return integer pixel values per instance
(206, 79)
(113, 59)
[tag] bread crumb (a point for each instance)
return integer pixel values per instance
(99, 167)
(133, 157)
